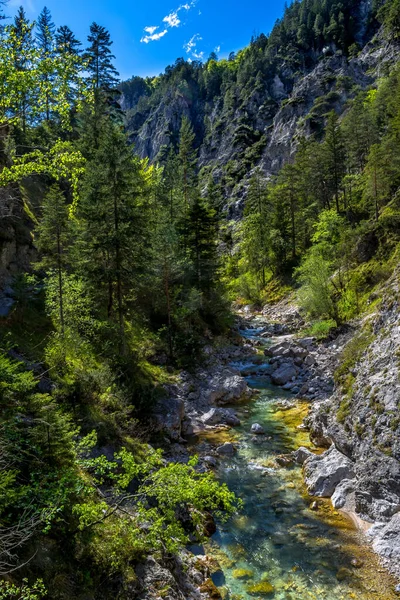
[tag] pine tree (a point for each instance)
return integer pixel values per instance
(22, 42)
(66, 42)
(53, 241)
(45, 39)
(202, 245)
(378, 178)
(171, 182)
(256, 225)
(109, 252)
(335, 155)
(167, 268)
(103, 74)
(45, 32)
(188, 162)
(287, 187)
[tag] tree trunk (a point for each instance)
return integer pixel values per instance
(169, 316)
(118, 269)
(60, 284)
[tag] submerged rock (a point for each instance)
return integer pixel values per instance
(257, 429)
(243, 574)
(343, 574)
(264, 588)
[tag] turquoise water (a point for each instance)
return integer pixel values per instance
(278, 546)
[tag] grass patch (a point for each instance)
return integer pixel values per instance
(344, 376)
(320, 329)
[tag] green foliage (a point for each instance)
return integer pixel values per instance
(389, 16)
(11, 591)
(321, 329)
(344, 376)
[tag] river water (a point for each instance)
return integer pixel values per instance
(281, 546)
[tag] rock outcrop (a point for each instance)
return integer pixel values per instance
(324, 472)
(362, 420)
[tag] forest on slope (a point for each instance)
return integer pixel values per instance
(135, 263)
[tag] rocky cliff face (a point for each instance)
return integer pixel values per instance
(263, 130)
(16, 247)
(362, 421)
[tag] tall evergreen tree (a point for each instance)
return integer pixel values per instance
(109, 252)
(335, 155)
(256, 228)
(103, 74)
(53, 241)
(45, 32)
(45, 39)
(66, 41)
(202, 244)
(22, 43)
(188, 162)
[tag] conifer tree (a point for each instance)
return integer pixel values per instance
(45, 39)
(109, 253)
(103, 74)
(53, 241)
(202, 244)
(45, 32)
(287, 189)
(66, 42)
(334, 155)
(256, 226)
(171, 182)
(188, 162)
(22, 42)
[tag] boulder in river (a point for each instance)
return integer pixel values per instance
(210, 461)
(284, 374)
(226, 449)
(257, 429)
(217, 416)
(264, 588)
(226, 387)
(324, 472)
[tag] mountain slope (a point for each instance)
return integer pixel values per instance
(251, 110)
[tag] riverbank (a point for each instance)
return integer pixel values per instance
(217, 416)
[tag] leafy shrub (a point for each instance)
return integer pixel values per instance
(321, 329)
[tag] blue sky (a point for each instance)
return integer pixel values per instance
(149, 35)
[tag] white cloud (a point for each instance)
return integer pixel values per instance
(198, 55)
(217, 49)
(150, 30)
(191, 44)
(154, 37)
(170, 21)
(191, 47)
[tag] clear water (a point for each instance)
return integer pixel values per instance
(278, 543)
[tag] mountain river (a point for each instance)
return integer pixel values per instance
(284, 544)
